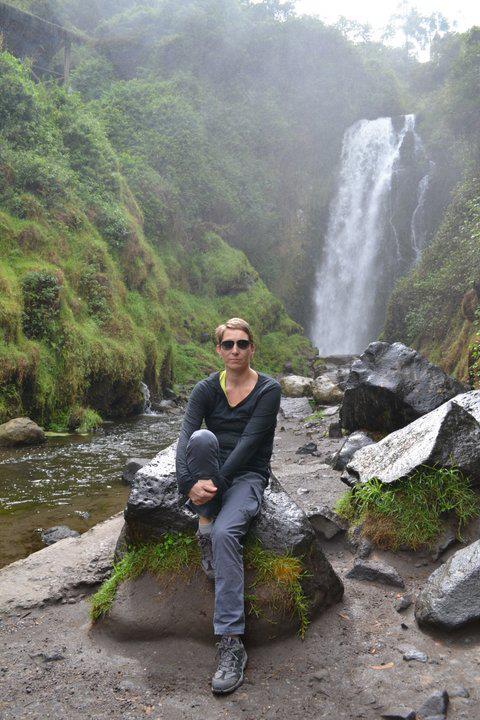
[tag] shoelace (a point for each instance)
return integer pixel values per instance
(227, 660)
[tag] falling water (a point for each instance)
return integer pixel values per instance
(147, 403)
(364, 252)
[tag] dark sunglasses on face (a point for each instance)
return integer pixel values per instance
(241, 344)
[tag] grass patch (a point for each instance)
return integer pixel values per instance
(178, 553)
(410, 512)
(285, 573)
(316, 416)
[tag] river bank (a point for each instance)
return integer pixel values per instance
(72, 480)
(349, 666)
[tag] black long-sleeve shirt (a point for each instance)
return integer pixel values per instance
(244, 432)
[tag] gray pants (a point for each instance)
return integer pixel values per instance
(233, 510)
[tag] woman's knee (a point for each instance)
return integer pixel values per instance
(203, 439)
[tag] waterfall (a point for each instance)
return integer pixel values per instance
(374, 233)
(147, 404)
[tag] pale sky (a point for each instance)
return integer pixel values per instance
(377, 13)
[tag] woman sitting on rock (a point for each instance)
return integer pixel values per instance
(224, 471)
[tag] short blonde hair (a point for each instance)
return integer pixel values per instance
(233, 324)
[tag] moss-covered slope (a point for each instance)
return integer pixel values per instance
(89, 306)
(434, 308)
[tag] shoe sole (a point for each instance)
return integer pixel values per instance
(238, 683)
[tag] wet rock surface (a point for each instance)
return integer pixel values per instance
(56, 533)
(21, 431)
(391, 385)
(435, 706)
(295, 408)
(348, 667)
(354, 442)
(132, 466)
(450, 597)
(447, 437)
(375, 571)
(282, 526)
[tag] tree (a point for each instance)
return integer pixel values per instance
(353, 30)
(419, 31)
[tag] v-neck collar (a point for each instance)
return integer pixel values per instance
(224, 392)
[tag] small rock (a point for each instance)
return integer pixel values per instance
(364, 548)
(126, 685)
(450, 597)
(21, 431)
(404, 626)
(435, 705)
(414, 654)
(56, 533)
(403, 602)
(52, 655)
(353, 442)
(295, 408)
(307, 449)
(325, 521)
(296, 386)
(302, 491)
(459, 691)
(447, 538)
(399, 713)
(84, 514)
(131, 468)
(325, 391)
(327, 412)
(375, 571)
(335, 430)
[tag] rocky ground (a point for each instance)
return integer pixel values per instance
(351, 665)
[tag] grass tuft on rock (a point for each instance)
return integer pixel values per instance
(285, 572)
(410, 512)
(178, 553)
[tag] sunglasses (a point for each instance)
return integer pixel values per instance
(241, 344)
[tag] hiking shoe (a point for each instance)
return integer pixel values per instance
(205, 543)
(232, 660)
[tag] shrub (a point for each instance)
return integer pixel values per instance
(410, 512)
(41, 304)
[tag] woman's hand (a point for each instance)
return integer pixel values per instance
(202, 492)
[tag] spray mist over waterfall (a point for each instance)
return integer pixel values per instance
(375, 232)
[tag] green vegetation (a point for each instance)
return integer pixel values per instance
(176, 553)
(284, 574)
(410, 512)
(179, 553)
(98, 289)
(433, 307)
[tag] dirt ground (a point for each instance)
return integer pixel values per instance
(53, 665)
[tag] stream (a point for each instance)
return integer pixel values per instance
(65, 479)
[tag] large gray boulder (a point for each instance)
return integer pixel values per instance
(21, 431)
(391, 385)
(451, 596)
(153, 509)
(446, 437)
